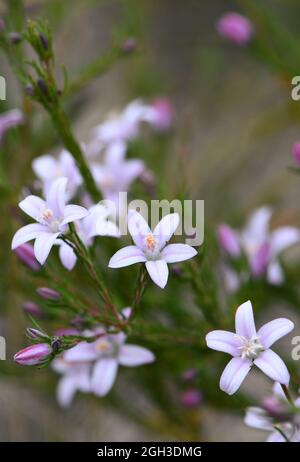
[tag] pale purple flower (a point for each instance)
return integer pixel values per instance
(52, 216)
(235, 27)
(75, 377)
(9, 120)
(261, 246)
(296, 152)
(122, 127)
(96, 223)
(104, 357)
(250, 347)
(49, 169)
(115, 174)
(275, 411)
(25, 253)
(33, 355)
(150, 247)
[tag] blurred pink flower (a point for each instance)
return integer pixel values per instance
(92, 366)
(116, 173)
(33, 355)
(52, 216)
(8, 120)
(49, 169)
(150, 247)
(261, 246)
(296, 152)
(235, 27)
(250, 347)
(275, 409)
(75, 377)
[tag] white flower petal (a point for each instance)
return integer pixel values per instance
(256, 417)
(127, 256)
(158, 271)
(165, 229)
(234, 374)
(73, 213)
(138, 228)
(222, 340)
(56, 196)
(275, 274)
(282, 238)
(33, 206)
(27, 233)
(272, 331)
(66, 390)
(173, 253)
(244, 321)
(133, 355)
(43, 244)
(104, 376)
(45, 167)
(272, 365)
(67, 256)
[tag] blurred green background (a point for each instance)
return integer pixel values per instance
(234, 126)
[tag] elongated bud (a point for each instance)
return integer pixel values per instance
(26, 254)
(36, 334)
(228, 240)
(47, 293)
(32, 308)
(43, 87)
(44, 41)
(33, 355)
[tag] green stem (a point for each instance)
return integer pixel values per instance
(282, 433)
(84, 254)
(287, 393)
(139, 292)
(62, 125)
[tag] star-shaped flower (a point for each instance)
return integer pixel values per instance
(250, 347)
(52, 216)
(150, 247)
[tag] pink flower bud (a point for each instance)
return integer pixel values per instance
(164, 114)
(296, 152)
(191, 398)
(32, 308)
(129, 45)
(47, 293)
(276, 409)
(228, 241)
(33, 355)
(26, 254)
(235, 27)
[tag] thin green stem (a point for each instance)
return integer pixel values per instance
(287, 393)
(139, 292)
(281, 433)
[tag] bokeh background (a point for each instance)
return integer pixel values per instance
(234, 126)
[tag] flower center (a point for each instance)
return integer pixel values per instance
(250, 349)
(106, 347)
(151, 247)
(47, 214)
